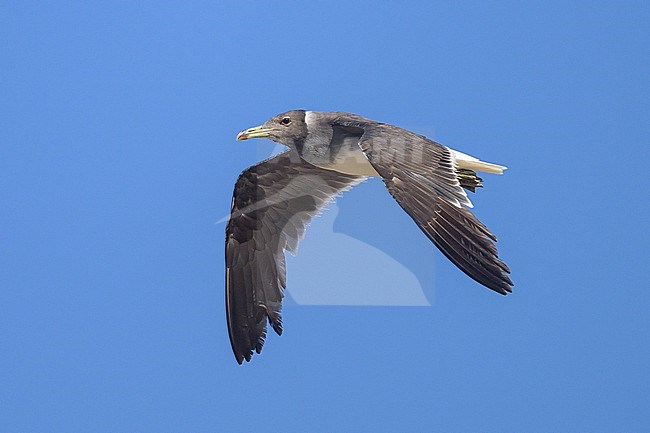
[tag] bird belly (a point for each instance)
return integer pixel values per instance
(349, 162)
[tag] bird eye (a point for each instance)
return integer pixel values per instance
(285, 121)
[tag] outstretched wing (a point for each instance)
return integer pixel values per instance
(272, 203)
(421, 175)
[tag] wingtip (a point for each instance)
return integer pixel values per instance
(507, 287)
(239, 358)
(504, 290)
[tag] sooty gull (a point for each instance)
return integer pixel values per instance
(328, 154)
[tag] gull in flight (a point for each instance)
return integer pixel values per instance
(328, 153)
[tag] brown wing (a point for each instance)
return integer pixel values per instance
(273, 202)
(421, 176)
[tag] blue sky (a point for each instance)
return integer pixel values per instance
(117, 160)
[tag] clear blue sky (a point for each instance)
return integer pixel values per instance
(117, 160)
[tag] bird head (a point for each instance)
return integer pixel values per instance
(288, 129)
